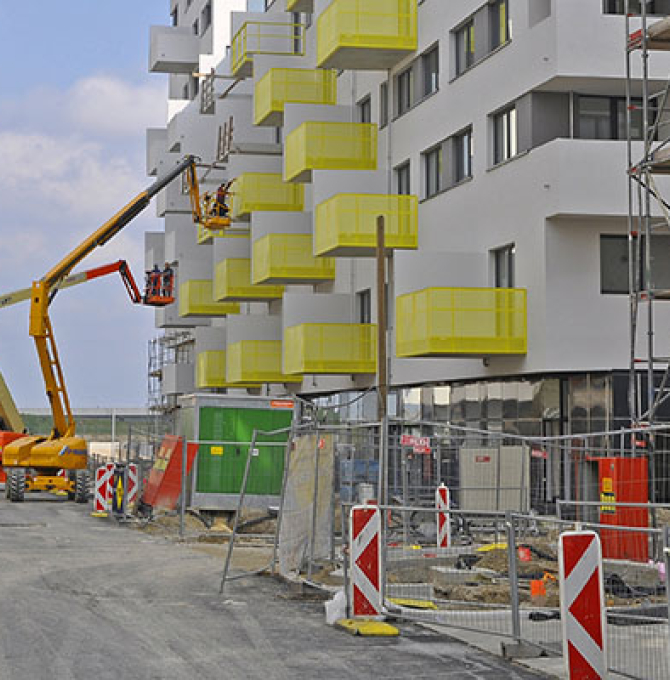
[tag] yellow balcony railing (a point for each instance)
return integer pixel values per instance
(232, 283)
(256, 361)
(210, 371)
(288, 258)
(264, 37)
(295, 85)
(461, 322)
(329, 146)
(366, 34)
(346, 224)
(330, 348)
(300, 6)
(195, 299)
(265, 191)
(206, 236)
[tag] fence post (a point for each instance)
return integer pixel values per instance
(315, 502)
(284, 483)
(513, 577)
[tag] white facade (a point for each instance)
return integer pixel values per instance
(561, 69)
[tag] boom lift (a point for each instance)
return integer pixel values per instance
(32, 462)
(209, 209)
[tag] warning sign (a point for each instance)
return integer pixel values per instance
(607, 501)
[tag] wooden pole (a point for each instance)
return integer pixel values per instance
(382, 378)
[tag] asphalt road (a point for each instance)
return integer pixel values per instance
(82, 598)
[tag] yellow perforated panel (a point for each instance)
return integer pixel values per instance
(287, 258)
(300, 86)
(366, 34)
(329, 146)
(461, 322)
(264, 37)
(263, 191)
(232, 283)
(330, 348)
(210, 370)
(346, 224)
(195, 299)
(256, 361)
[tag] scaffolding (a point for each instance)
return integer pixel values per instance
(648, 159)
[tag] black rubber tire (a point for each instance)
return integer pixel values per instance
(7, 486)
(82, 485)
(17, 484)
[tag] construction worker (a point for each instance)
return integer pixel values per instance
(167, 278)
(222, 193)
(153, 284)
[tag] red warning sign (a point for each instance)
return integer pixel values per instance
(164, 487)
(365, 546)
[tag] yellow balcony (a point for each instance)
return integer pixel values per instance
(330, 348)
(256, 361)
(195, 299)
(300, 6)
(264, 37)
(295, 85)
(210, 371)
(366, 34)
(329, 146)
(205, 236)
(265, 191)
(288, 258)
(346, 224)
(461, 322)
(232, 283)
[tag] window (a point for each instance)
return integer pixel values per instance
(635, 6)
(504, 135)
(364, 306)
(613, 264)
(383, 104)
(605, 118)
(430, 68)
(433, 171)
(465, 47)
(404, 86)
(196, 27)
(402, 179)
(503, 267)
(462, 153)
(365, 110)
(174, 15)
(499, 23)
(206, 17)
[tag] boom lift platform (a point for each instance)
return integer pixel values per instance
(33, 462)
(209, 209)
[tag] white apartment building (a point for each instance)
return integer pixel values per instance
(491, 137)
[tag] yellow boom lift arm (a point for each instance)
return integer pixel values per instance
(62, 449)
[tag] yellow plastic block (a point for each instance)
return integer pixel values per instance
(264, 37)
(265, 191)
(195, 299)
(412, 604)
(461, 322)
(294, 85)
(366, 34)
(368, 628)
(300, 6)
(255, 361)
(232, 283)
(346, 224)
(318, 145)
(210, 370)
(330, 349)
(288, 258)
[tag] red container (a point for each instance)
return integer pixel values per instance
(164, 487)
(6, 438)
(624, 480)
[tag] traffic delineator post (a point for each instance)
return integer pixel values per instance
(365, 555)
(443, 517)
(583, 612)
(102, 494)
(133, 485)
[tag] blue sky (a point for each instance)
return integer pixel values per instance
(75, 101)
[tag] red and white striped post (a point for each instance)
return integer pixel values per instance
(109, 486)
(131, 492)
(365, 526)
(583, 614)
(443, 517)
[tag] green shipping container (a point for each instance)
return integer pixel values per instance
(229, 423)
